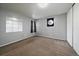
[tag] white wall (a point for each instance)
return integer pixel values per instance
(69, 27)
(73, 24)
(57, 32)
(76, 27)
(7, 38)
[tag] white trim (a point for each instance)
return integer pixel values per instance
(15, 41)
(50, 37)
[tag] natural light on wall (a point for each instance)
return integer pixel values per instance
(13, 25)
(42, 5)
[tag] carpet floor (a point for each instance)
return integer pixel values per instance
(38, 46)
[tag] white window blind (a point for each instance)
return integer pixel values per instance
(13, 25)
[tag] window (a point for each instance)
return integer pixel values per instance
(13, 25)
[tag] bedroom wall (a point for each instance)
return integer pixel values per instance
(58, 31)
(73, 27)
(76, 27)
(11, 37)
(69, 27)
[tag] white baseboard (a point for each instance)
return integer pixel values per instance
(15, 41)
(50, 37)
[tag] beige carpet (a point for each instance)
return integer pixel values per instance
(38, 46)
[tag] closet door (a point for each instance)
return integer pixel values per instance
(69, 27)
(76, 27)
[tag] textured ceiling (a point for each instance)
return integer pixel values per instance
(33, 10)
